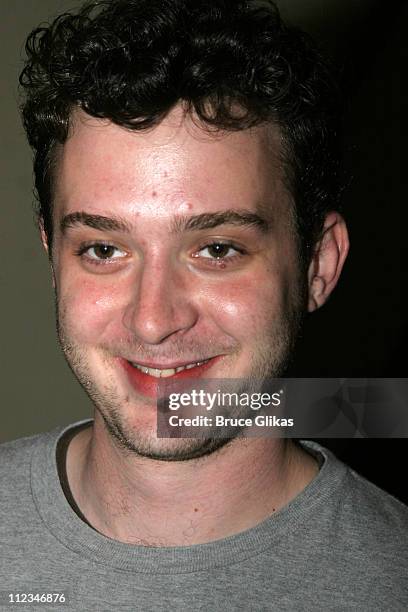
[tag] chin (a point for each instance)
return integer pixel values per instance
(147, 444)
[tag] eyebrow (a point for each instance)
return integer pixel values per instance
(98, 222)
(179, 224)
(211, 220)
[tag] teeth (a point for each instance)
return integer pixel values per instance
(168, 372)
(165, 373)
(193, 365)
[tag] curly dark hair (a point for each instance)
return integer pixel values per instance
(232, 63)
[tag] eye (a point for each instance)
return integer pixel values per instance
(219, 250)
(101, 252)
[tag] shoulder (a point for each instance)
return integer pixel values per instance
(16, 504)
(375, 541)
(362, 505)
(16, 455)
(358, 535)
(353, 510)
(364, 523)
(376, 518)
(25, 464)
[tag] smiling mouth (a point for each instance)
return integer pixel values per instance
(167, 372)
(145, 379)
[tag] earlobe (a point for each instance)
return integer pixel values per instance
(328, 258)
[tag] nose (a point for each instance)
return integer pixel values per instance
(161, 305)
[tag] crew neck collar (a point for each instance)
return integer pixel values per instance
(78, 536)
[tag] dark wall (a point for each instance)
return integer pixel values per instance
(362, 331)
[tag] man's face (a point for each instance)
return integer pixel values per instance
(172, 247)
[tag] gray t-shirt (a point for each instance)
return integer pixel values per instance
(341, 544)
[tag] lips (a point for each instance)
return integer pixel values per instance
(145, 378)
(167, 372)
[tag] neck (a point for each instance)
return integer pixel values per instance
(157, 503)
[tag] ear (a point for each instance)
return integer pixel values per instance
(328, 258)
(43, 235)
(45, 243)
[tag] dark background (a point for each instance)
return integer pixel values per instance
(361, 332)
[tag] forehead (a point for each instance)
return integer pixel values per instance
(173, 168)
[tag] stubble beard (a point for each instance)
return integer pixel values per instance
(271, 361)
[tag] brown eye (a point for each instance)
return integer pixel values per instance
(218, 250)
(102, 252)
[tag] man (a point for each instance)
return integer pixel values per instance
(187, 174)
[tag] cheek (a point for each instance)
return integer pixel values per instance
(89, 309)
(247, 305)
